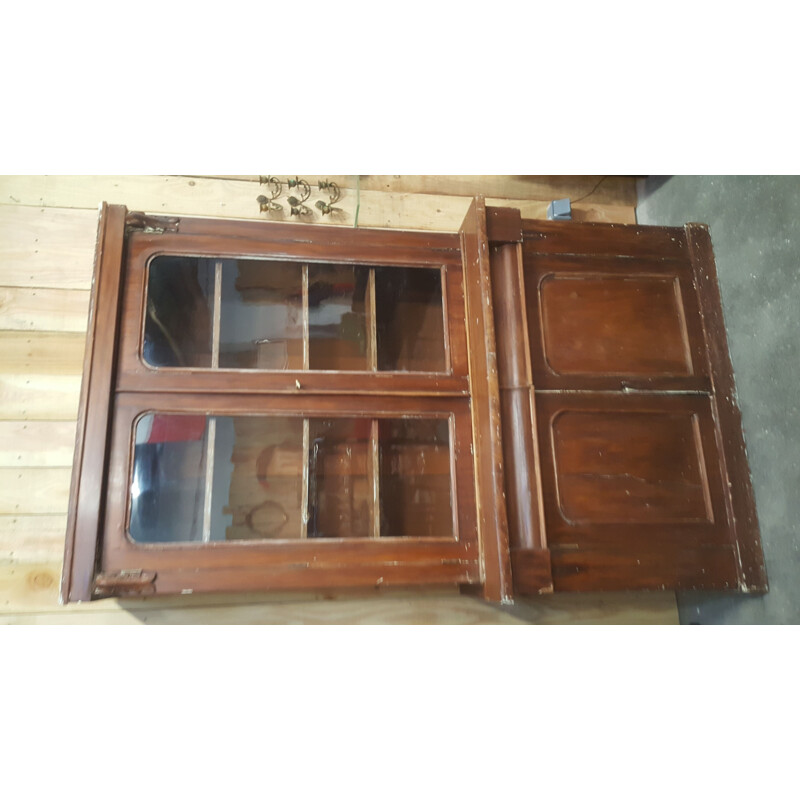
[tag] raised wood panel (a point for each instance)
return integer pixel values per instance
(41, 353)
(45, 247)
(594, 324)
(36, 443)
(24, 309)
(33, 538)
(236, 200)
(629, 467)
(629, 477)
(46, 397)
(34, 490)
(608, 323)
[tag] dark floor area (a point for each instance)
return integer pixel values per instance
(755, 229)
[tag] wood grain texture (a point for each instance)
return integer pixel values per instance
(601, 322)
(44, 397)
(46, 247)
(87, 488)
(236, 200)
(36, 443)
(752, 575)
(35, 309)
(487, 434)
(599, 240)
(29, 596)
(609, 189)
(32, 538)
(34, 490)
(41, 353)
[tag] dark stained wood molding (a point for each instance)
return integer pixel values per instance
(520, 443)
(486, 413)
(532, 571)
(730, 437)
(503, 225)
(87, 491)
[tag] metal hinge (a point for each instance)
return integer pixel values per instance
(136, 221)
(127, 581)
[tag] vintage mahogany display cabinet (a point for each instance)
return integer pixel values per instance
(519, 408)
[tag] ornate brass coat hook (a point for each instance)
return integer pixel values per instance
(335, 194)
(269, 204)
(298, 203)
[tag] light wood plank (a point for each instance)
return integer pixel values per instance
(28, 595)
(236, 199)
(34, 490)
(47, 397)
(35, 538)
(24, 309)
(46, 247)
(36, 443)
(606, 190)
(41, 353)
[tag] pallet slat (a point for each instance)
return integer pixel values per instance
(46, 397)
(46, 247)
(34, 490)
(41, 353)
(36, 443)
(236, 199)
(34, 538)
(36, 309)
(606, 190)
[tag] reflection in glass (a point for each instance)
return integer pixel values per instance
(337, 317)
(340, 485)
(199, 478)
(210, 479)
(261, 320)
(255, 323)
(415, 496)
(409, 319)
(178, 316)
(218, 313)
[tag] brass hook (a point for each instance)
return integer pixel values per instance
(335, 194)
(269, 204)
(298, 204)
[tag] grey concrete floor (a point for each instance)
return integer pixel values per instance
(755, 230)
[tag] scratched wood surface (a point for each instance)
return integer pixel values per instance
(47, 235)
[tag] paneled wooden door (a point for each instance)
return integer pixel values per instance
(624, 456)
(636, 438)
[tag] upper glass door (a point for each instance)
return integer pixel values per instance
(270, 315)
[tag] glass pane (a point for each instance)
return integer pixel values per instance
(415, 497)
(179, 313)
(200, 478)
(409, 319)
(337, 317)
(261, 321)
(260, 324)
(254, 466)
(340, 489)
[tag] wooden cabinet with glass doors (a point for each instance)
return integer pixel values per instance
(284, 406)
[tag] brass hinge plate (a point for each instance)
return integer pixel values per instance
(128, 581)
(144, 223)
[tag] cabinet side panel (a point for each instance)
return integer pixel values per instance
(485, 401)
(87, 489)
(740, 498)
